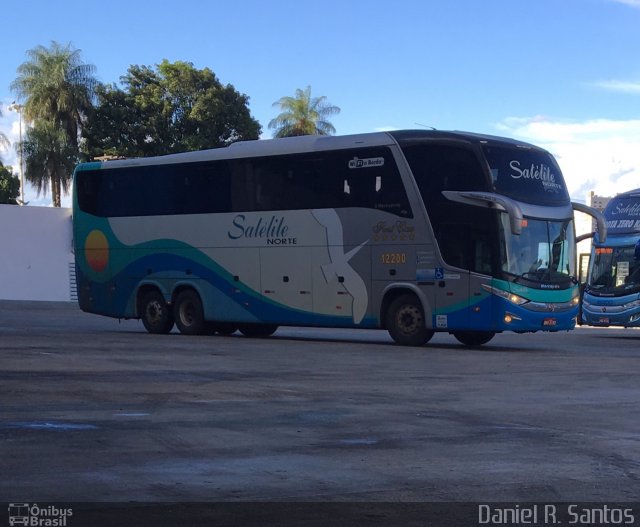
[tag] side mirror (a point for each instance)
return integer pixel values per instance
(597, 215)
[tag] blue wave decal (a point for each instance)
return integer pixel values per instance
(223, 298)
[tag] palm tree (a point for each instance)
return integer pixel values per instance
(303, 115)
(58, 90)
(50, 158)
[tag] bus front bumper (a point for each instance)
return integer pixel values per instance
(605, 316)
(535, 316)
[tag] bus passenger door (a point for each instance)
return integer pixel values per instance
(451, 291)
(461, 301)
(480, 313)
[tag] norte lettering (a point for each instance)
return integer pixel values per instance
(274, 230)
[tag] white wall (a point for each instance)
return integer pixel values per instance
(35, 253)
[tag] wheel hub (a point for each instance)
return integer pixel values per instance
(409, 319)
(154, 312)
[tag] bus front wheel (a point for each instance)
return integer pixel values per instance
(406, 322)
(474, 338)
(188, 313)
(155, 313)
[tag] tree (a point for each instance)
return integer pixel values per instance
(172, 108)
(303, 115)
(50, 157)
(58, 91)
(9, 186)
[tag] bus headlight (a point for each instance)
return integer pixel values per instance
(515, 299)
(511, 297)
(575, 300)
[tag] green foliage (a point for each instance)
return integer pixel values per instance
(9, 186)
(172, 108)
(303, 115)
(56, 86)
(50, 157)
(58, 90)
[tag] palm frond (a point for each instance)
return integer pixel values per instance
(303, 115)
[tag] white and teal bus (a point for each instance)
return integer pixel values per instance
(409, 231)
(612, 292)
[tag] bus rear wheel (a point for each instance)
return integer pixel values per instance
(188, 313)
(155, 313)
(406, 322)
(474, 338)
(258, 330)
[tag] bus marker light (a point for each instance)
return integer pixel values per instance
(510, 317)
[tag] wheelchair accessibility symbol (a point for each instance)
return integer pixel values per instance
(439, 273)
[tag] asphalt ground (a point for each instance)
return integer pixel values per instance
(97, 410)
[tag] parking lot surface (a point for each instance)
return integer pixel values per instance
(94, 409)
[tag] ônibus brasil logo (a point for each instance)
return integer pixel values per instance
(38, 516)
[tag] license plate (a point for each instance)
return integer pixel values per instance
(603, 320)
(548, 322)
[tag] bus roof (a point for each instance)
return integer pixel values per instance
(635, 193)
(305, 144)
(408, 136)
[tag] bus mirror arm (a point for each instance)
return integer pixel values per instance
(583, 237)
(490, 199)
(597, 215)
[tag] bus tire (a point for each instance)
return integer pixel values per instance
(474, 338)
(188, 313)
(221, 328)
(406, 322)
(258, 330)
(155, 313)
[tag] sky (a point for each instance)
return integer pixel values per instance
(562, 74)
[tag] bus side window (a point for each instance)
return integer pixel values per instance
(88, 184)
(377, 185)
(242, 193)
(391, 196)
(363, 191)
(447, 167)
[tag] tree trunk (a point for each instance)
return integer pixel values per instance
(55, 191)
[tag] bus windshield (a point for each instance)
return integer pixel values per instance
(615, 270)
(542, 253)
